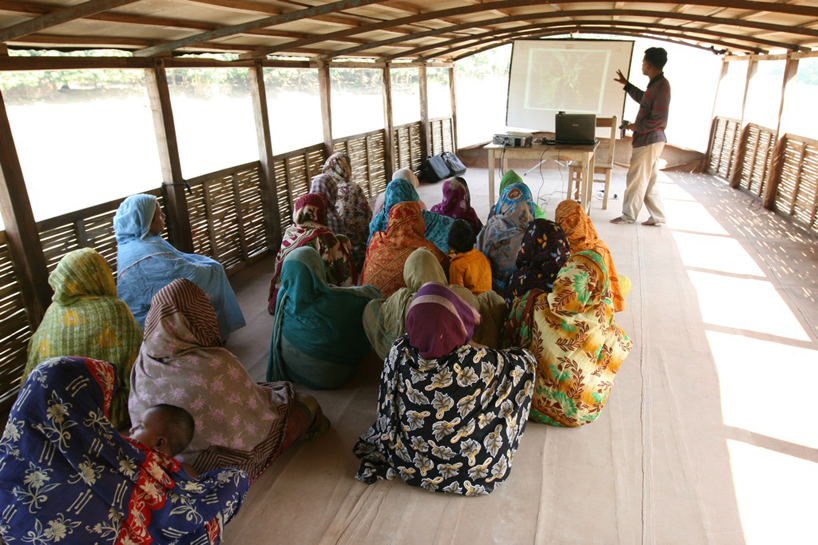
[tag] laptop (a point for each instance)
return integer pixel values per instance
(575, 129)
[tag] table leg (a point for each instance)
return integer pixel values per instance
(491, 178)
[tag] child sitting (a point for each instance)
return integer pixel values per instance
(469, 267)
(167, 429)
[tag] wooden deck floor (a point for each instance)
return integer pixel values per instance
(708, 436)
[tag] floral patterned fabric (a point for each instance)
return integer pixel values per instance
(389, 250)
(582, 235)
(450, 424)
(578, 346)
(87, 319)
(238, 423)
(543, 252)
(500, 239)
(67, 476)
(352, 205)
(328, 187)
(310, 229)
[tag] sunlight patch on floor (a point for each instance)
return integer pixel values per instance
(692, 217)
(718, 254)
(775, 492)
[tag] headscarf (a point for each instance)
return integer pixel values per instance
(400, 174)
(328, 187)
(310, 229)
(320, 320)
(436, 227)
(457, 205)
(450, 424)
(60, 455)
(87, 319)
(182, 363)
(511, 177)
(352, 205)
(146, 263)
(578, 346)
(543, 252)
(582, 235)
(389, 250)
(500, 239)
(438, 320)
(133, 217)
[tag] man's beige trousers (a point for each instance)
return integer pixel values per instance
(641, 185)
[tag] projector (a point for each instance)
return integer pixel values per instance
(513, 140)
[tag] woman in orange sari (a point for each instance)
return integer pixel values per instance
(388, 250)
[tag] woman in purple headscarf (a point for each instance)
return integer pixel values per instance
(457, 203)
(450, 412)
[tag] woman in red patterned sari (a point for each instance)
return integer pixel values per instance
(388, 250)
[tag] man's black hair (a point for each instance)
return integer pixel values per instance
(179, 426)
(656, 56)
(461, 236)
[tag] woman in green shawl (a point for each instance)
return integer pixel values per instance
(86, 319)
(318, 337)
(385, 319)
(511, 177)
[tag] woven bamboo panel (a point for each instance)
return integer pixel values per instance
(448, 140)
(294, 172)
(401, 142)
(755, 168)
(377, 167)
(797, 190)
(315, 164)
(441, 130)
(366, 154)
(14, 330)
(724, 146)
(415, 143)
(248, 194)
(283, 195)
(199, 228)
(299, 180)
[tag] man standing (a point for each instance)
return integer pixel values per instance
(648, 140)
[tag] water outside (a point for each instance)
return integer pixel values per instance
(84, 143)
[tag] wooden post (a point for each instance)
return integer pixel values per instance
(425, 135)
(454, 109)
(388, 140)
(21, 230)
(325, 94)
(175, 200)
(725, 67)
(735, 177)
(269, 193)
(768, 198)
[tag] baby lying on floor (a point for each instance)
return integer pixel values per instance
(167, 429)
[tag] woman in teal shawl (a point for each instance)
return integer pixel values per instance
(401, 190)
(147, 263)
(318, 336)
(511, 177)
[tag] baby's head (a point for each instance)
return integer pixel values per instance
(166, 428)
(461, 237)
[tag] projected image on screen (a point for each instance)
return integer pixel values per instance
(566, 79)
(573, 76)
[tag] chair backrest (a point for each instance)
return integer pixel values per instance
(605, 151)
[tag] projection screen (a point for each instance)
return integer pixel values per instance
(574, 76)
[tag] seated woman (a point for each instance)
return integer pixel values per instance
(385, 319)
(450, 414)
(310, 229)
(457, 204)
(87, 319)
(147, 263)
(582, 235)
(500, 239)
(327, 185)
(543, 252)
(318, 337)
(436, 227)
(388, 250)
(351, 204)
(67, 475)
(511, 177)
(239, 423)
(578, 346)
(400, 174)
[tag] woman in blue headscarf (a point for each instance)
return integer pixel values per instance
(146, 263)
(401, 190)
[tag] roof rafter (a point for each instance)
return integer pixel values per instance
(59, 17)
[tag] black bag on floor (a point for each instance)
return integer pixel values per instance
(456, 166)
(434, 169)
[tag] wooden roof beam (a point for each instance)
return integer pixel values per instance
(59, 17)
(254, 25)
(503, 4)
(411, 8)
(261, 7)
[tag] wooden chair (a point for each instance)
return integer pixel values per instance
(603, 163)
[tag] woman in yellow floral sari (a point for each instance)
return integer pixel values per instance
(86, 319)
(578, 346)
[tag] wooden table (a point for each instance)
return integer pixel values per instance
(541, 152)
